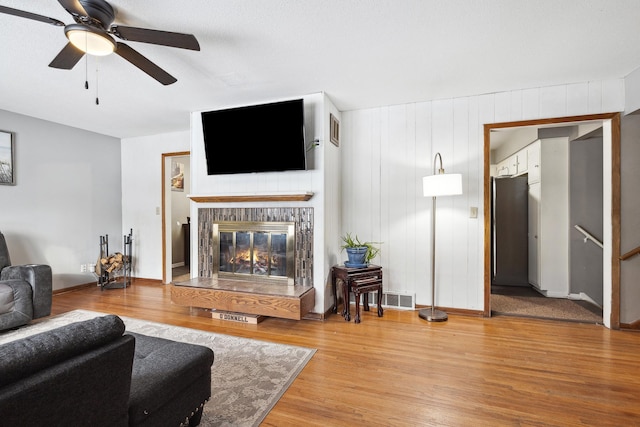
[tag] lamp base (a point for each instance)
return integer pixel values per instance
(432, 315)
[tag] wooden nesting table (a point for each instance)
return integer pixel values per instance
(359, 281)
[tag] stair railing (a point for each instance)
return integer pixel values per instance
(588, 236)
(631, 253)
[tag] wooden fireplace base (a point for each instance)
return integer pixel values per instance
(273, 300)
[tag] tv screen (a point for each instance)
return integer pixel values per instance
(257, 138)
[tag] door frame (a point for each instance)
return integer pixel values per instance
(165, 186)
(611, 165)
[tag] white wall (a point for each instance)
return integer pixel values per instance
(386, 152)
(142, 197)
(67, 195)
(332, 204)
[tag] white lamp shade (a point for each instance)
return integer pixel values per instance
(446, 184)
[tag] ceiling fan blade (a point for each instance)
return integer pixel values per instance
(144, 64)
(29, 15)
(73, 7)
(164, 38)
(67, 58)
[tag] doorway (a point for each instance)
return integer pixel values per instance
(611, 205)
(175, 216)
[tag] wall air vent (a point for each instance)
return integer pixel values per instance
(391, 299)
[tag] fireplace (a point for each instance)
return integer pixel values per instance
(254, 251)
(302, 218)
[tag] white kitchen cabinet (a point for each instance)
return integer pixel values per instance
(521, 162)
(515, 165)
(533, 240)
(549, 219)
(504, 167)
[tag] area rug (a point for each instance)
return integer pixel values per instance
(247, 377)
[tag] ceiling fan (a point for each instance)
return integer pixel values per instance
(94, 34)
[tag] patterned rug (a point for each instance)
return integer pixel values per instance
(247, 377)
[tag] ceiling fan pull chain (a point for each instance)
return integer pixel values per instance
(86, 71)
(86, 66)
(97, 99)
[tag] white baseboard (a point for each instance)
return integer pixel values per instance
(551, 294)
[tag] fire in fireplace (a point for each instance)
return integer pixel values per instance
(257, 251)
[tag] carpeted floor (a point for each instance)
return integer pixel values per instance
(247, 377)
(526, 302)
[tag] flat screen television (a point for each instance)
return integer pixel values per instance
(256, 138)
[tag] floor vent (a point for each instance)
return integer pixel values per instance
(392, 299)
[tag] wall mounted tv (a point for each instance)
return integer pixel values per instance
(256, 138)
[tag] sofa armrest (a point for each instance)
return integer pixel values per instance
(40, 278)
(27, 356)
(78, 374)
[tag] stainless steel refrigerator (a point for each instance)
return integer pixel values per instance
(509, 248)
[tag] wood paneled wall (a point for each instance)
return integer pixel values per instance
(387, 150)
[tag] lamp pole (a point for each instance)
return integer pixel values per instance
(438, 184)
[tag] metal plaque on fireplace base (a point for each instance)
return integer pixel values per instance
(254, 251)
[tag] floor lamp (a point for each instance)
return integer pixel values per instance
(438, 184)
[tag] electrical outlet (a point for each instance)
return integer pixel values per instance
(83, 268)
(92, 267)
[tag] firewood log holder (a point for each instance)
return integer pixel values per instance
(114, 276)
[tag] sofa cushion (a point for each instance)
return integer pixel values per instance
(163, 369)
(24, 357)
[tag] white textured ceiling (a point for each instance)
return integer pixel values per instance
(361, 53)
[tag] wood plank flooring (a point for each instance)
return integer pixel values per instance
(400, 370)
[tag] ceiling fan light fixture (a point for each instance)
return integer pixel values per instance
(92, 41)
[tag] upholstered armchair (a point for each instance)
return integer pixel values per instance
(25, 290)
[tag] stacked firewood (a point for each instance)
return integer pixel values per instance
(113, 262)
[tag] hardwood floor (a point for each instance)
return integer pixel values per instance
(400, 370)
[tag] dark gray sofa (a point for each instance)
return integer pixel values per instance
(25, 290)
(92, 373)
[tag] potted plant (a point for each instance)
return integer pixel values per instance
(359, 253)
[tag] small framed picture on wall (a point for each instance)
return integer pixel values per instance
(7, 169)
(335, 130)
(177, 176)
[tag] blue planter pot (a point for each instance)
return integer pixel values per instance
(357, 256)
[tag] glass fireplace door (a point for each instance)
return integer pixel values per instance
(256, 251)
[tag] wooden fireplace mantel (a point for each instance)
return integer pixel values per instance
(298, 197)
